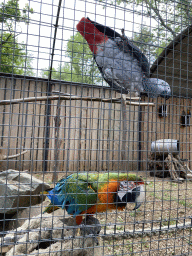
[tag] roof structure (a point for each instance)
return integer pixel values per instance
(174, 64)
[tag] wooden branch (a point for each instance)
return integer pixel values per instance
(171, 167)
(184, 163)
(187, 168)
(179, 166)
(72, 97)
(14, 156)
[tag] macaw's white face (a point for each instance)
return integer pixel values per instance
(125, 186)
(130, 192)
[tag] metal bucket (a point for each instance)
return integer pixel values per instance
(165, 146)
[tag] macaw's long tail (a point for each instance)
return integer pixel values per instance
(51, 208)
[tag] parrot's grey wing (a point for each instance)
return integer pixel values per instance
(113, 83)
(109, 75)
(124, 44)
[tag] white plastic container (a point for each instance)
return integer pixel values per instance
(165, 146)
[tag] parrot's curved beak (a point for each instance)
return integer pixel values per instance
(137, 205)
(165, 95)
(140, 196)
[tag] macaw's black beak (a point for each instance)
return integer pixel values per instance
(136, 196)
(131, 197)
(137, 205)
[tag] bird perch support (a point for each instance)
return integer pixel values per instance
(67, 96)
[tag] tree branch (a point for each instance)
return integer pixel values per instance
(156, 11)
(5, 41)
(73, 97)
(14, 156)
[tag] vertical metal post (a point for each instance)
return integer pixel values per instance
(49, 89)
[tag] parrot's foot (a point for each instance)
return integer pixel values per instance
(124, 97)
(90, 226)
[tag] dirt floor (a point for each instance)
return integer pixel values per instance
(167, 204)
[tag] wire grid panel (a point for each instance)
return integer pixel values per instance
(120, 169)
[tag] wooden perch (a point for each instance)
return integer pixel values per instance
(125, 97)
(67, 96)
(14, 156)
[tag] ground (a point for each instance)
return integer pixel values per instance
(167, 204)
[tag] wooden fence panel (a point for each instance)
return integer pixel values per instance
(22, 125)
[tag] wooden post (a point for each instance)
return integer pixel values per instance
(124, 134)
(58, 141)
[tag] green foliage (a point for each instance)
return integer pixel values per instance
(13, 57)
(79, 66)
(10, 12)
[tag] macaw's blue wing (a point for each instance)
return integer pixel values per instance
(73, 194)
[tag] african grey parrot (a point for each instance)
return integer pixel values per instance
(123, 66)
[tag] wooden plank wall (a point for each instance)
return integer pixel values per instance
(22, 125)
(154, 128)
(90, 132)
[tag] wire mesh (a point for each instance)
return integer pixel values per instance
(92, 137)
